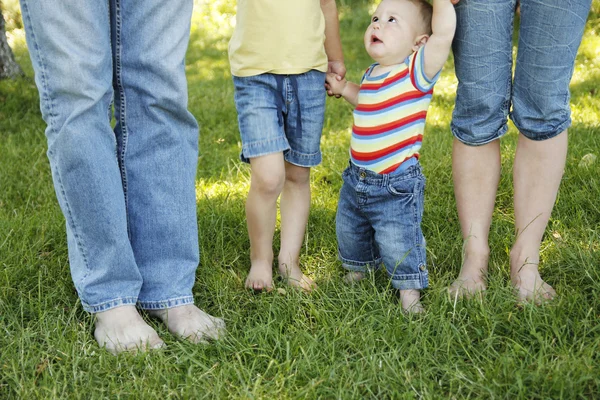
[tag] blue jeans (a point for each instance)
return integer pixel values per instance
(549, 36)
(378, 221)
(281, 114)
(127, 193)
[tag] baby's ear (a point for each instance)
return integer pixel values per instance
(420, 42)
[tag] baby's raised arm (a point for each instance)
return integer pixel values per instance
(443, 25)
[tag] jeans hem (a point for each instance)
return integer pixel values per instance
(489, 139)
(169, 303)
(549, 135)
(107, 305)
(360, 266)
(303, 160)
(264, 147)
(411, 281)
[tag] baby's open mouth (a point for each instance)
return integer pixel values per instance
(375, 39)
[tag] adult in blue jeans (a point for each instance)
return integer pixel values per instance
(549, 36)
(127, 193)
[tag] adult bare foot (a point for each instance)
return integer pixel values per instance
(353, 277)
(123, 329)
(471, 279)
(190, 323)
(293, 276)
(411, 301)
(260, 277)
(529, 285)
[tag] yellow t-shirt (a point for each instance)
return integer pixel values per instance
(278, 37)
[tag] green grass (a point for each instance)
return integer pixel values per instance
(339, 342)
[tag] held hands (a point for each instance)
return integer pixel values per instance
(338, 70)
(335, 84)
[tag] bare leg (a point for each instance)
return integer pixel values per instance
(123, 329)
(411, 301)
(295, 205)
(537, 174)
(476, 173)
(190, 323)
(268, 177)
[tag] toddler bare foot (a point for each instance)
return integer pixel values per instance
(471, 279)
(294, 277)
(123, 329)
(260, 277)
(353, 277)
(411, 301)
(528, 283)
(190, 323)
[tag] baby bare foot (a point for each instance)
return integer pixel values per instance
(529, 285)
(190, 323)
(411, 301)
(471, 279)
(123, 329)
(353, 277)
(260, 277)
(294, 277)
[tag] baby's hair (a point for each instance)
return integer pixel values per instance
(426, 11)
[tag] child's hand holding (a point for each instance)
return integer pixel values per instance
(335, 84)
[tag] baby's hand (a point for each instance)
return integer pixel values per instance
(335, 84)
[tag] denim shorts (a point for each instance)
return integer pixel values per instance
(378, 222)
(281, 113)
(549, 35)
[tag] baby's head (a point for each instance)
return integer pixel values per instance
(398, 28)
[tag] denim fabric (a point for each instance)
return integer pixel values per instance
(379, 221)
(127, 193)
(281, 113)
(549, 35)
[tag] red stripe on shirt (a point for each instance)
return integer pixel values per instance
(391, 102)
(388, 150)
(367, 131)
(386, 82)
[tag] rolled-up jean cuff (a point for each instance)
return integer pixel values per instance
(411, 281)
(302, 159)
(169, 303)
(360, 266)
(263, 148)
(107, 305)
(488, 139)
(538, 137)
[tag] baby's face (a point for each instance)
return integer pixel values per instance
(392, 33)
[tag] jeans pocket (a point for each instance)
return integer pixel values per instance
(404, 188)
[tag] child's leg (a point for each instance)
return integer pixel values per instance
(396, 210)
(267, 180)
(294, 206)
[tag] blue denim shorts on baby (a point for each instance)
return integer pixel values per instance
(281, 113)
(550, 32)
(379, 221)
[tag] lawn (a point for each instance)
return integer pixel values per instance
(340, 341)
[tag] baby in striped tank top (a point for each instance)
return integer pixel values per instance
(380, 208)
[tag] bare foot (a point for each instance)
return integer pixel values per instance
(260, 277)
(411, 301)
(471, 279)
(123, 329)
(353, 277)
(528, 283)
(294, 277)
(190, 323)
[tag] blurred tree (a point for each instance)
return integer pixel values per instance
(9, 69)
